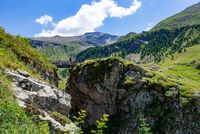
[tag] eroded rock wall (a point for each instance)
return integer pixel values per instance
(126, 92)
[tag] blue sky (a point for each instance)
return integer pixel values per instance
(19, 16)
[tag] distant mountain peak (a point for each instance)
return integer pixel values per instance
(90, 33)
(57, 36)
(61, 48)
(92, 38)
(98, 33)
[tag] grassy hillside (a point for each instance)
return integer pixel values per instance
(155, 44)
(16, 53)
(13, 119)
(188, 17)
(59, 50)
(62, 48)
(183, 69)
(190, 56)
(120, 48)
(62, 52)
(168, 37)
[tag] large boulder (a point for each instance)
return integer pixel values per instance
(126, 92)
(40, 98)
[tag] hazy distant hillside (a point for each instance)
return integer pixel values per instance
(58, 51)
(190, 16)
(61, 48)
(95, 38)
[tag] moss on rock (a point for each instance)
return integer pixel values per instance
(62, 119)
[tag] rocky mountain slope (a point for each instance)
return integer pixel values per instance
(38, 98)
(61, 48)
(30, 102)
(162, 94)
(188, 17)
(164, 89)
(127, 92)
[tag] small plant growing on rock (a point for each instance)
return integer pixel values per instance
(62, 119)
(101, 125)
(144, 127)
(43, 127)
(80, 120)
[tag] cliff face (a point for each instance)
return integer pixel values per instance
(126, 92)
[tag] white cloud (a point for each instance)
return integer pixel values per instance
(44, 20)
(90, 17)
(150, 25)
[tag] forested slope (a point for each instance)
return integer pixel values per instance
(156, 44)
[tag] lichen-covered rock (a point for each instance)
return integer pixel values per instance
(126, 92)
(40, 98)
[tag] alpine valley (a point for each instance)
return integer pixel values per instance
(139, 83)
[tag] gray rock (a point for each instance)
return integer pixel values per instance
(23, 73)
(126, 92)
(106, 96)
(43, 97)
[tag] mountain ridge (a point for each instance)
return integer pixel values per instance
(159, 95)
(157, 44)
(189, 16)
(62, 48)
(95, 38)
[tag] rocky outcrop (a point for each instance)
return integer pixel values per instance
(39, 98)
(50, 76)
(126, 92)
